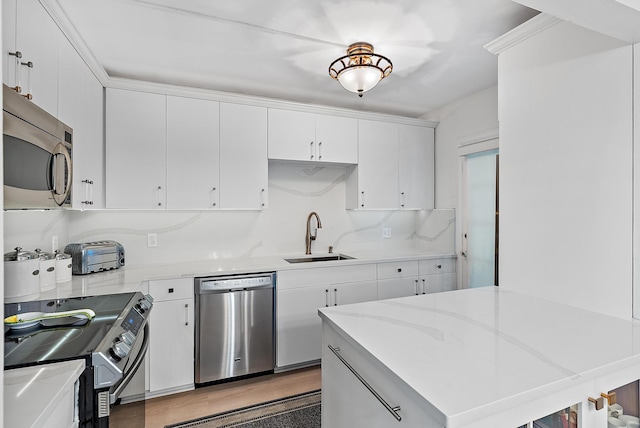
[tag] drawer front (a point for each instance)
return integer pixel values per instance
(431, 266)
(171, 289)
(324, 276)
(392, 270)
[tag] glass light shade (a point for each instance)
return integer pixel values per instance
(360, 79)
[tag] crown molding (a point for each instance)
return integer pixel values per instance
(69, 30)
(228, 97)
(535, 25)
(479, 137)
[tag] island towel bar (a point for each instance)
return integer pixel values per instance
(393, 410)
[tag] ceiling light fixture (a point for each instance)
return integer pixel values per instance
(360, 69)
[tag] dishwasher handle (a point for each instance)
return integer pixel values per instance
(231, 284)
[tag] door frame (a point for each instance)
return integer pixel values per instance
(478, 143)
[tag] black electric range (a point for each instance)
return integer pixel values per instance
(113, 345)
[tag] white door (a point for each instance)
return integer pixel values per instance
(377, 165)
(479, 218)
(193, 153)
(243, 157)
(136, 150)
(416, 166)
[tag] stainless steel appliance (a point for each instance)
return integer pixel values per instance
(95, 256)
(113, 344)
(37, 155)
(234, 326)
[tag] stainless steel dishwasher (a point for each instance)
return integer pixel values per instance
(234, 326)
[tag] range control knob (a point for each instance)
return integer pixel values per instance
(120, 349)
(128, 338)
(144, 304)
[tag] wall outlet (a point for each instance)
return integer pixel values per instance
(386, 232)
(54, 244)
(152, 240)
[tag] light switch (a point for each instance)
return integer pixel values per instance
(152, 240)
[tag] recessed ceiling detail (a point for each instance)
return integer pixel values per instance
(281, 48)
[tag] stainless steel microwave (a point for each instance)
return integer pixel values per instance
(36, 154)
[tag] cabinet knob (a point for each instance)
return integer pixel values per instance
(598, 402)
(439, 266)
(399, 270)
(611, 398)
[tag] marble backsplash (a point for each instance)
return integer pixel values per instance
(294, 191)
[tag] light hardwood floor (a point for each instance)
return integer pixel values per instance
(209, 400)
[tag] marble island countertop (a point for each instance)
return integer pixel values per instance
(471, 354)
(133, 278)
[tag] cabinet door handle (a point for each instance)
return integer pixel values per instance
(262, 196)
(159, 196)
(186, 314)
(393, 410)
(326, 298)
(311, 151)
(335, 297)
(29, 66)
(424, 286)
(320, 150)
(362, 200)
(213, 196)
(402, 199)
(17, 87)
(417, 287)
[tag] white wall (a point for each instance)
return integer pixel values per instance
(294, 191)
(465, 119)
(459, 121)
(565, 109)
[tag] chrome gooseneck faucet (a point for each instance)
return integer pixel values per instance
(309, 237)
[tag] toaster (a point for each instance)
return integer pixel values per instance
(95, 256)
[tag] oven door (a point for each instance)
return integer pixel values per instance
(37, 166)
(123, 403)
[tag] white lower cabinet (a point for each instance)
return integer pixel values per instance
(398, 279)
(437, 275)
(300, 294)
(171, 348)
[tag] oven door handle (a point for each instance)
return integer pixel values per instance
(113, 396)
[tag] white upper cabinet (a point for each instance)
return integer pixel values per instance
(373, 184)
(243, 157)
(193, 153)
(28, 29)
(395, 167)
(81, 105)
(302, 136)
(9, 22)
(416, 167)
(135, 150)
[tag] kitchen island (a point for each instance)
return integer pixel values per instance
(483, 357)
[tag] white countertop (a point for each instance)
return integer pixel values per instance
(132, 278)
(31, 393)
(472, 353)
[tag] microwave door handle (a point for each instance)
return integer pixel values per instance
(61, 150)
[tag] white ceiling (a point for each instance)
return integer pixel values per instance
(282, 48)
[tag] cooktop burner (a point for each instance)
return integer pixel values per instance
(50, 343)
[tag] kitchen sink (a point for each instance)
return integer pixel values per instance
(311, 259)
